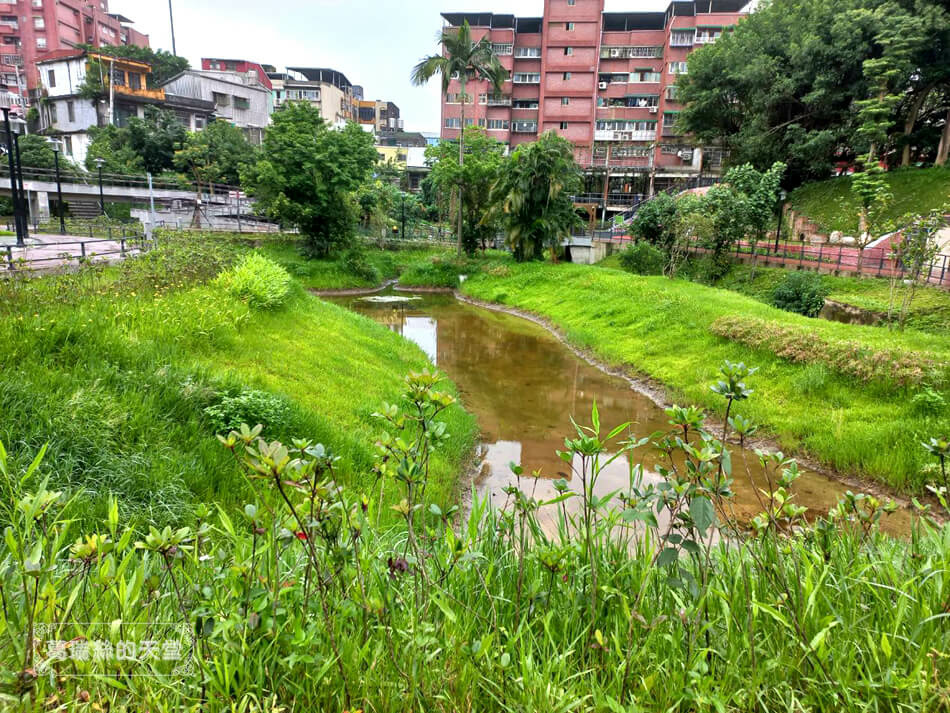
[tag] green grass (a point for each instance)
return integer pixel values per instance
(832, 205)
(115, 378)
(661, 328)
(930, 310)
(334, 274)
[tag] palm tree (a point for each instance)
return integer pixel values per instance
(466, 61)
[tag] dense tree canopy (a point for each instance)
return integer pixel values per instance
(216, 154)
(810, 82)
(484, 157)
(147, 144)
(165, 65)
(308, 174)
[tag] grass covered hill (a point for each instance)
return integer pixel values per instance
(127, 373)
(833, 206)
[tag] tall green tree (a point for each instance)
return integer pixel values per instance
(811, 82)
(484, 158)
(308, 173)
(217, 154)
(466, 60)
(532, 197)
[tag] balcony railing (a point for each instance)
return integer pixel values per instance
(612, 135)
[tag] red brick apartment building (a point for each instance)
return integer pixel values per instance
(30, 29)
(603, 80)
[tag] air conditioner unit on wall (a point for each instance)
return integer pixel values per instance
(602, 85)
(653, 109)
(685, 155)
(615, 53)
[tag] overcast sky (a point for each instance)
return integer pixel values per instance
(373, 42)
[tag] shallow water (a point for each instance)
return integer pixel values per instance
(523, 386)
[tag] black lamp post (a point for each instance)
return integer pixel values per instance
(54, 144)
(19, 223)
(102, 198)
(782, 195)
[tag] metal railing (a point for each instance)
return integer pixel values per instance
(78, 251)
(120, 180)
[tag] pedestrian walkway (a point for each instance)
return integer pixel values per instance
(45, 251)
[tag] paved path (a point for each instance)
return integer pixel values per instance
(45, 251)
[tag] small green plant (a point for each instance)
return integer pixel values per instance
(249, 406)
(929, 402)
(643, 259)
(258, 280)
(801, 292)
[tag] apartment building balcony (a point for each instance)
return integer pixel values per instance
(611, 135)
(8, 8)
(9, 27)
(524, 127)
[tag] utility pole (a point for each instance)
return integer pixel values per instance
(171, 21)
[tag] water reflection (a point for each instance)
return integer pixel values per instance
(524, 386)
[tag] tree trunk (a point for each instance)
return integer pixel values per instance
(461, 162)
(909, 125)
(944, 143)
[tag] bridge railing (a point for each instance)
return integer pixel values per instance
(118, 180)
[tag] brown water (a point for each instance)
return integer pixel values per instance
(523, 386)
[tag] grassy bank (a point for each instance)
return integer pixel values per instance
(833, 206)
(117, 369)
(929, 312)
(812, 403)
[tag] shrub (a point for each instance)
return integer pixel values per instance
(251, 407)
(356, 264)
(801, 292)
(258, 280)
(929, 402)
(643, 259)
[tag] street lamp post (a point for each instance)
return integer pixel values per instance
(102, 199)
(782, 195)
(54, 144)
(14, 189)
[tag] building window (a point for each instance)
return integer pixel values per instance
(678, 68)
(41, 43)
(669, 120)
(568, 51)
(242, 103)
(38, 3)
(567, 76)
(672, 92)
(563, 125)
(565, 101)
(71, 111)
(569, 26)
(453, 123)
(525, 104)
(525, 127)
(68, 145)
(647, 76)
(526, 78)
(681, 38)
(135, 80)
(497, 124)
(571, 3)
(708, 35)
(527, 52)
(502, 48)
(220, 99)
(51, 78)
(52, 114)
(39, 23)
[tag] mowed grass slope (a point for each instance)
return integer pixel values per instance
(661, 328)
(833, 206)
(117, 386)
